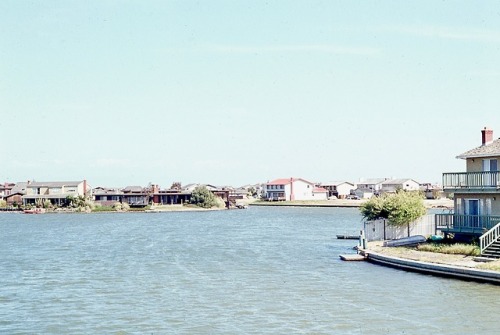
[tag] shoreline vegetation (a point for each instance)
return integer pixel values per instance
(443, 203)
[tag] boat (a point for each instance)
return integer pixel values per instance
(241, 206)
(34, 211)
(405, 241)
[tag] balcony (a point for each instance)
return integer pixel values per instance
(466, 224)
(472, 181)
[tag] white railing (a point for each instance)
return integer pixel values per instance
(489, 237)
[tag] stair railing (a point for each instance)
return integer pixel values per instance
(489, 237)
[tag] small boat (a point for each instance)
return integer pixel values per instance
(405, 241)
(34, 211)
(348, 237)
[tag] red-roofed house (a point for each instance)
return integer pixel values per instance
(288, 189)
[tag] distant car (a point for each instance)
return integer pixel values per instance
(352, 197)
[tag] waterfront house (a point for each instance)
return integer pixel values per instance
(363, 193)
(55, 192)
(5, 189)
(320, 193)
(393, 185)
(339, 189)
(107, 196)
(476, 192)
(15, 196)
(136, 196)
(374, 184)
(289, 189)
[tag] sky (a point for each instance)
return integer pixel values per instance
(237, 92)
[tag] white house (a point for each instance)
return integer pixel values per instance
(287, 189)
(374, 184)
(339, 189)
(392, 185)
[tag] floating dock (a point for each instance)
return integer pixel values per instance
(348, 237)
(352, 257)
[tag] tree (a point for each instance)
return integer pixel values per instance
(399, 209)
(202, 197)
(176, 185)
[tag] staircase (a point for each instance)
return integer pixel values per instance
(493, 251)
(490, 243)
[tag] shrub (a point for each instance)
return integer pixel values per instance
(399, 209)
(202, 197)
(3, 203)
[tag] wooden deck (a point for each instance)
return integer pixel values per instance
(352, 257)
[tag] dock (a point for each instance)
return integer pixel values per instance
(348, 237)
(352, 257)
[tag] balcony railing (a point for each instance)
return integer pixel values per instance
(471, 180)
(470, 224)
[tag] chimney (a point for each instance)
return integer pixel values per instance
(486, 136)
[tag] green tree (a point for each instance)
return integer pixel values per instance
(202, 197)
(399, 209)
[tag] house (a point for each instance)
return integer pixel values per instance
(363, 193)
(136, 196)
(15, 196)
(179, 195)
(339, 189)
(55, 192)
(431, 191)
(392, 185)
(476, 192)
(374, 184)
(289, 189)
(107, 196)
(320, 193)
(5, 189)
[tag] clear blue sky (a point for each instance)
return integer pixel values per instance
(236, 92)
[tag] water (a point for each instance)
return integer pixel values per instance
(255, 271)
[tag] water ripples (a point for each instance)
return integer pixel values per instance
(257, 271)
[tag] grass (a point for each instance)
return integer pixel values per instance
(493, 266)
(103, 209)
(454, 249)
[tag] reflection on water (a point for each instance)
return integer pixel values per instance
(261, 270)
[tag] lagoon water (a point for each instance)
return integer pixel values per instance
(254, 271)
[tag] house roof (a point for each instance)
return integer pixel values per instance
(106, 191)
(397, 181)
(281, 181)
(373, 181)
(336, 183)
(54, 184)
(488, 150)
(137, 189)
(286, 181)
(19, 188)
(320, 190)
